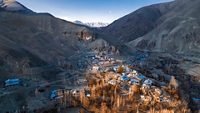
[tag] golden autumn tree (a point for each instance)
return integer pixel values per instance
(120, 70)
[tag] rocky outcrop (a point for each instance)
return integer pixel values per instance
(86, 35)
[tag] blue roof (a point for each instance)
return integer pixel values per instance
(142, 77)
(10, 82)
(196, 99)
(53, 91)
(53, 94)
(124, 78)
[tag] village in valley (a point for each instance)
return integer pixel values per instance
(117, 85)
(110, 84)
(114, 84)
(75, 56)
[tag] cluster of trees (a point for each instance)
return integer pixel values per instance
(109, 98)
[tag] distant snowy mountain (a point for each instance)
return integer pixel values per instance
(92, 24)
(97, 24)
(13, 5)
(78, 22)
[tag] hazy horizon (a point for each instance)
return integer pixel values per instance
(88, 10)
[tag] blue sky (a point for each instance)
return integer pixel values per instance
(88, 10)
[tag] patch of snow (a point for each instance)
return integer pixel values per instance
(92, 24)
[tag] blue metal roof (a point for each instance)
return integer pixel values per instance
(53, 94)
(196, 99)
(124, 78)
(10, 82)
(142, 77)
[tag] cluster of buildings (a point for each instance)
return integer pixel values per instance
(126, 76)
(118, 73)
(63, 93)
(103, 63)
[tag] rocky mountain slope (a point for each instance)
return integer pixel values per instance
(12, 5)
(166, 27)
(38, 36)
(137, 23)
(177, 31)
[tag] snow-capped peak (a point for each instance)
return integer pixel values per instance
(13, 5)
(96, 24)
(92, 24)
